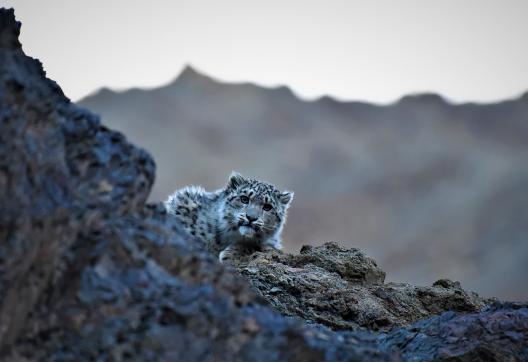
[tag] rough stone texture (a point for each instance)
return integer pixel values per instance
(344, 290)
(497, 334)
(59, 171)
(144, 293)
(89, 272)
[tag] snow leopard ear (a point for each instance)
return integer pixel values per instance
(235, 180)
(286, 197)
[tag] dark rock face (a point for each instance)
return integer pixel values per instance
(88, 271)
(137, 289)
(60, 171)
(471, 337)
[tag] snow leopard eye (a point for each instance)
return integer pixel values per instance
(244, 199)
(266, 207)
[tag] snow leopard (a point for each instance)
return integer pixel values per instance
(246, 215)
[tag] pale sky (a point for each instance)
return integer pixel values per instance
(467, 50)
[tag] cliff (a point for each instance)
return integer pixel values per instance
(90, 271)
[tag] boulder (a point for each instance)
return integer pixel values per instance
(345, 290)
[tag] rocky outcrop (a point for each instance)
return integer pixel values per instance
(61, 172)
(345, 290)
(497, 334)
(88, 271)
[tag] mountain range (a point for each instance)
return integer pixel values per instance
(431, 189)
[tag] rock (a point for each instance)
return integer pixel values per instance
(350, 264)
(88, 271)
(496, 334)
(344, 290)
(54, 155)
(137, 289)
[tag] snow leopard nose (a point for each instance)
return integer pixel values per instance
(251, 216)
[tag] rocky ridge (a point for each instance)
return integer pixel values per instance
(89, 271)
(345, 290)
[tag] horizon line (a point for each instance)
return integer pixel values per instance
(188, 68)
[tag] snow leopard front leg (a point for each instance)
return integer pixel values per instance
(227, 255)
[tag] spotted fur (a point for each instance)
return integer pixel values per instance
(247, 215)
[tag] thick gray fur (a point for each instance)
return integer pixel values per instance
(234, 219)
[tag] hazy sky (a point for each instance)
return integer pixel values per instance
(370, 50)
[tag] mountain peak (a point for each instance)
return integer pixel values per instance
(190, 74)
(189, 71)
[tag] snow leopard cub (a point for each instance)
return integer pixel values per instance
(247, 215)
